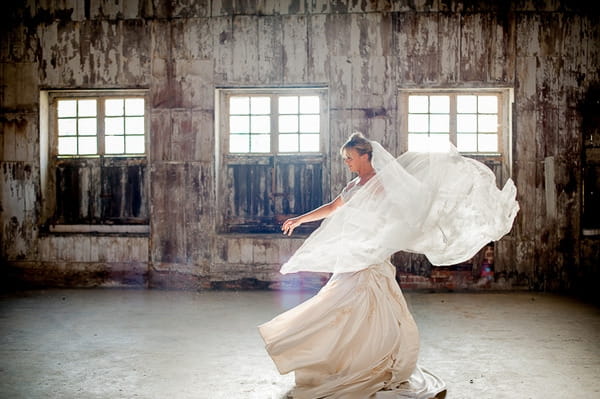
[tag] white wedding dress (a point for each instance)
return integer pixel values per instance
(356, 338)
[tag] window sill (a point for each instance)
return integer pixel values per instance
(260, 235)
(100, 229)
(591, 232)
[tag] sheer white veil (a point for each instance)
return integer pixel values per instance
(442, 205)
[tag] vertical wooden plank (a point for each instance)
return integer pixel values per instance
(48, 70)
(182, 136)
(103, 49)
(295, 48)
(416, 46)
(245, 49)
(501, 33)
(9, 139)
(198, 38)
(190, 8)
(222, 32)
(526, 109)
(161, 89)
(449, 34)
(318, 6)
(204, 138)
(370, 34)
(318, 54)
(338, 26)
(474, 48)
(270, 55)
(168, 217)
(283, 7)
(199, 215)
(549, 88)
(136, 61)
(193, 83)
(68, 57)
(161, 127)
(340, 93)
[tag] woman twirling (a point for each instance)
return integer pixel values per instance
(356, 338)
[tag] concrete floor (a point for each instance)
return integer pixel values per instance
(109, 343)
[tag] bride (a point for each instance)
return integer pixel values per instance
(356, 338)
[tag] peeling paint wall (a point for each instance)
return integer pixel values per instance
(549, 52)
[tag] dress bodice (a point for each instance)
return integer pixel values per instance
(351, 188)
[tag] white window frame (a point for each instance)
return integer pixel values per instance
(223, 156)
(505, 100)
(100, 95)
(222, 116)
(49, 153)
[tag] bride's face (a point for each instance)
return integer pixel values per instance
(354, 160)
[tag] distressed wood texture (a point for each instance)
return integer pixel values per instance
(96, 191)
(548, 52)
(260, 194)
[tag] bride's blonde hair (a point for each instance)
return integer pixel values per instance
(359, 143)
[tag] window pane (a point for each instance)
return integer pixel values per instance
(239, 124)
(67, 108)
(134, 144)
(260, 124)
(134, 125)
(466, 104)
(239, 143)
(488, 142)
(260, 105)
(488, 123)
(260, 143)
(134, 106)
(88, 145)
(309, 142)
(87, 126)
(113, 126)
(114, 144)
(67, 127)
(239, 105)
(487, 104)
(67, 146)
(113, 107)
(87, 108)
(418, 123)
(288, 143)
(466, 142)
(309, 104)
(418, 104)
(466, 123)
(431, 143)
(309, 123)
(288, 105)
(439, 104)
(439, 142)
(288, 123)
(418, 142)
(440, 123)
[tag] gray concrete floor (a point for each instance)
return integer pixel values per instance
(110, 343)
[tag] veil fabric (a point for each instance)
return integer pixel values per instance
(442, 205)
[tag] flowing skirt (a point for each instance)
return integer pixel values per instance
(355, 339)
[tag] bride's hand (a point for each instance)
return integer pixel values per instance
(289, 225)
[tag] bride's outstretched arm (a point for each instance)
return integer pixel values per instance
(316, 214)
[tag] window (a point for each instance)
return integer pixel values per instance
(96, 168)
(473, 121)
(100, 126)
(272, 157)
(294, 118)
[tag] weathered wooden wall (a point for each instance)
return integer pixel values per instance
(363, 51)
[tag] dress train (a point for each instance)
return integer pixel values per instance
(355, 339)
